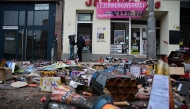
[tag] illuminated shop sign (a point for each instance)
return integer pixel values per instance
(120, 9)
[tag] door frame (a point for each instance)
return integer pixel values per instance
(141, 43)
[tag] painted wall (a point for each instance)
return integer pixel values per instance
(168, 21)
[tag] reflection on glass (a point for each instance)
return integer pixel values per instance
(41, 17)
(21, 17)
(10, 44)
(20, 39)
(144, 39)
(10, 17)
(135, 40)
(30, 17)
(40, 44)
(119, 37)
(28, 45)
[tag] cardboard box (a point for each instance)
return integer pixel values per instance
(5, 73)
(177, 70)
(49, 84)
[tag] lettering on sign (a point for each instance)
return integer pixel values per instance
(10, 27)
(90, 2)
(41, 6)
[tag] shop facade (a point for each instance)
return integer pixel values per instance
(120, 32)
(28, 29)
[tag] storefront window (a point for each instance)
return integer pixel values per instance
(10, 17)
(135, 40)
(119, 37)
(21, 17)
(41, 17)
(30, 17)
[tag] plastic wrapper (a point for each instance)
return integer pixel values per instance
(64, 94)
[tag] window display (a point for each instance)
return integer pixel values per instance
(119, 37)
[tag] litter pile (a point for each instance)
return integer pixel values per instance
(114, 84)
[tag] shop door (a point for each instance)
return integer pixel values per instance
(139, 39)
(27, 33)
(32, 44)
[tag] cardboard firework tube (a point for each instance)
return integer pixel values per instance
(123, 96)
(130, 96)
(162, 68)
(113, 89)
(67, 96)
(133, 82)
(126, 82)
(110, 82)
(116, 96)
(128, 89)
(121, 89)
(118, 82)
(134, 90)
(124, 103)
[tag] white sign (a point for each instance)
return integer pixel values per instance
(159, 97)
(41, 6)
(10, 38)
(10, 27)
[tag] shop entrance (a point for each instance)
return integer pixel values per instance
(139, 39)
(27, 30)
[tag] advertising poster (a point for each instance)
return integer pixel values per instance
(101, 34)
(119, 36)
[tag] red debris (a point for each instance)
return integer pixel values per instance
(43, 99)
(25, 97)
(10, 101)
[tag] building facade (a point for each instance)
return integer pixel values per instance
(184, 24)
(108, 33)
(29, 27)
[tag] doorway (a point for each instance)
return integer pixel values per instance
(139, 40)
(28, 30)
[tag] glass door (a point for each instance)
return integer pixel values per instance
(135, 41)
(144, 41)
(32, 44)
(10, 43)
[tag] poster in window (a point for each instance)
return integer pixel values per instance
(101, 34)
(119, 36)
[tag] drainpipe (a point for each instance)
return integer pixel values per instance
(151, 32)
